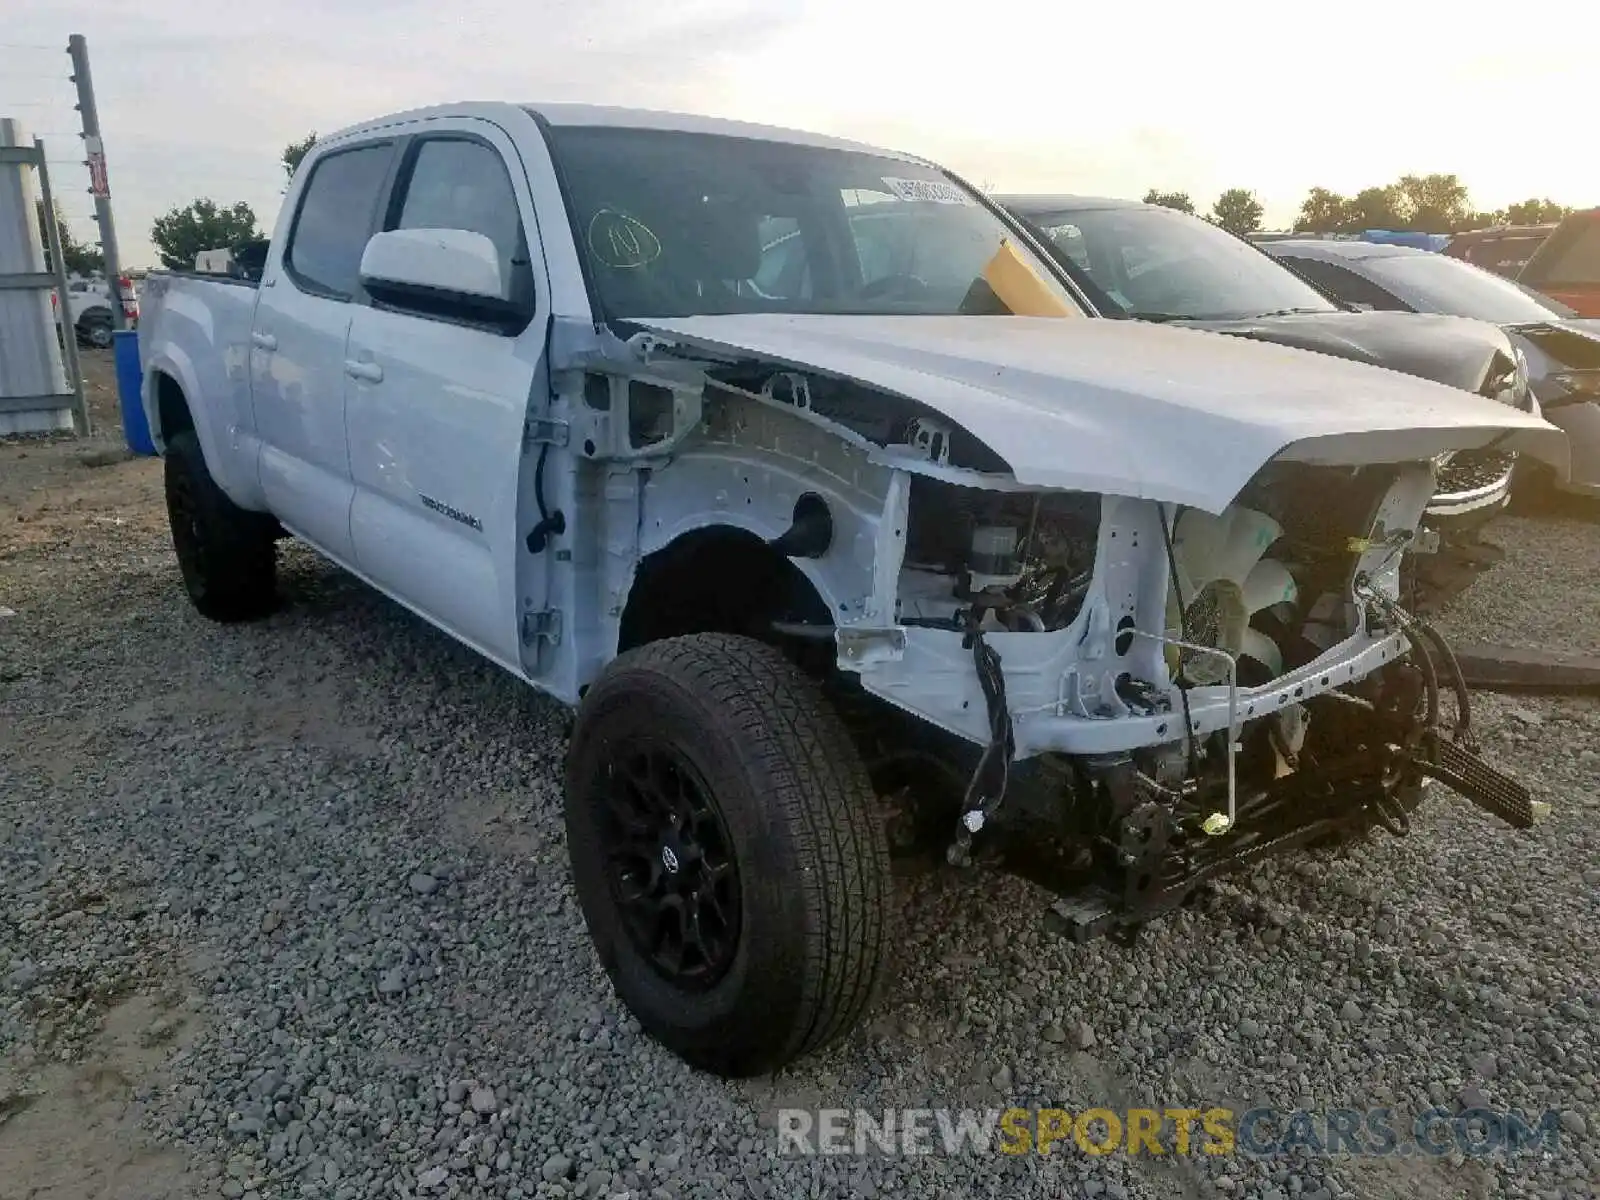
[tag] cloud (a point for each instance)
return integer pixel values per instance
(200, 99)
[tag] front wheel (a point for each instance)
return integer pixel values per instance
(726, 852)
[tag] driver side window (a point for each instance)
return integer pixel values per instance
(456, 183)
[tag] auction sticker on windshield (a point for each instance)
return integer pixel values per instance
(936, 191)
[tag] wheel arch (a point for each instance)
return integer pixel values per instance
(173, 403)
(721, 577)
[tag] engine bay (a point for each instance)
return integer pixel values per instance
(1114, 696)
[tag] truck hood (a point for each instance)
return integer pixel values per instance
(1445, 349)
(1129, 409)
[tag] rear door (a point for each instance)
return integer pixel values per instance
(436, 401)
(298, 342)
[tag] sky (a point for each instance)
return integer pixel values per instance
(199, 99)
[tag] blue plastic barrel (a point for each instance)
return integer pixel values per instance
(135, 429)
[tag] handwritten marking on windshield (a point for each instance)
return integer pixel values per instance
(622, 242)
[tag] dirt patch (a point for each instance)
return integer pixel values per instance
(72, 1131)
(58, 492)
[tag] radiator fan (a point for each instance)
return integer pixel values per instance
(1224, 582)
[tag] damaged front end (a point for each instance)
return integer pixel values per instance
(1157, 694)
(1115, 695)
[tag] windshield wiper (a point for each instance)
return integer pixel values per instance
(1155, 316)
(1291, 312)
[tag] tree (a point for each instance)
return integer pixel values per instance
(1434, 203)
(1535, 212)
(295, 151)
(1322, 211)
(80, 259)
(1238, 211)
(1177, 200)
(1375, 208)
(201, 225)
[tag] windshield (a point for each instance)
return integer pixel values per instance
(676, 224)
(1159, 264)
(1434, 283)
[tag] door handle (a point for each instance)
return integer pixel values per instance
(369, 372)
(264, 341)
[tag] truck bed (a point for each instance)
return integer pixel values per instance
(198, 327)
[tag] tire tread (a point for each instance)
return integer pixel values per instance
(785, 722)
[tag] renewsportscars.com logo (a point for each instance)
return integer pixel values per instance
(1254, 1133)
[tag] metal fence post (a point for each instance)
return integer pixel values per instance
(58, 259)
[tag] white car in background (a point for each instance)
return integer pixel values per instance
(89, 305)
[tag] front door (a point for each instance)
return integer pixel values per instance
(436, 402)
(298, 346)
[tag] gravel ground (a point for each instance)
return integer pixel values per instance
(284, 911)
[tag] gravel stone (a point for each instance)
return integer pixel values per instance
(214, 837)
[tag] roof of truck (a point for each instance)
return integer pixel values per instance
(625, 118)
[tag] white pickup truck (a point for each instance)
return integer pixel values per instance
(841, 555)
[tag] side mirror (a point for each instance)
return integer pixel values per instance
(432, 264)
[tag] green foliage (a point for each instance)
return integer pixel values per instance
(294, 152)
(1434, 203)
(201, 225)
(1321, 212)
(1534, 212)
(1238, 211)
(1376, 208)
(1177, 200)
(80, 257)
(1426, 203)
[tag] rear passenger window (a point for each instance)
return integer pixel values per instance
(459, 184)
(330, 232)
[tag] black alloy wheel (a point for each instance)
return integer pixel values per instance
(672, 868)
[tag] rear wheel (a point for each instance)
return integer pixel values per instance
(225, 553)
(726, 852)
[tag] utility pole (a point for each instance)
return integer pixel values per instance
(99, 183)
